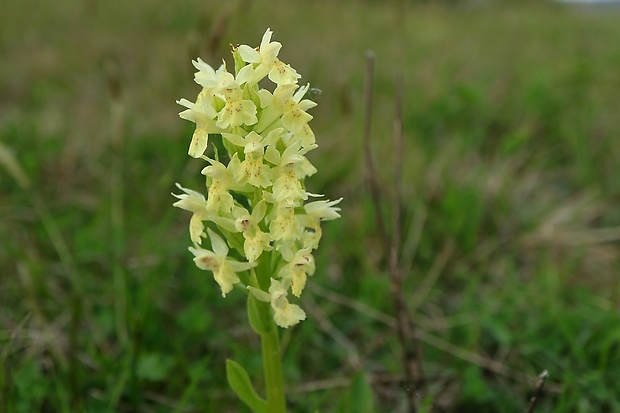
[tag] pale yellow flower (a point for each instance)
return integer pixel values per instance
(203, 114)
(285, 313)
(306, 135)
(213, 81)
(290, 167)
(221, 181)
(256, 241)
(267, 62)
(266, 56)
(285, 226)
(300, 264)
(283, 74)
(222, 85)
(224, 269)
(237, 111)
(287, 105)
(252, 168)
(287, 188)
(194, 202)
(295, 116)
(323, 210)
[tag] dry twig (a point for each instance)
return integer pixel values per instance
(405, 328)
(392, 246)
(371, 172)
(540, 384)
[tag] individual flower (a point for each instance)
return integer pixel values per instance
(287, 106)
(224, 269)
(215, 82)
(196, 203)
(285, 226)
(219, 105)
(300, 265)
(316, 212)
(283, 74)
(268, 64)
(210, 79)
(294, 116)
(203, 114)
(252, 168)
(285, 313)
(237, 111)
(256, 241)
(290, 167)
(222, 180)
(323, 210)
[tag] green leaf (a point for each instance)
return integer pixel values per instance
(239, 381)
(154, 366)
(256, 315)
(360, 398)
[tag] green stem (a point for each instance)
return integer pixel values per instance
(272, 366)
(270, 346)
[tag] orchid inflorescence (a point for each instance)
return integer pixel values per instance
(256, 210)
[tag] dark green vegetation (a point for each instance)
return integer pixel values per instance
(511, 187)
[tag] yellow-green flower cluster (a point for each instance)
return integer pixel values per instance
(256, 204)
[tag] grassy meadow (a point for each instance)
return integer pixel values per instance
(511, 229)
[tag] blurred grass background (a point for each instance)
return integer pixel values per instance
(511, 132)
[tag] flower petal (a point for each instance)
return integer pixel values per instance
(219, 245)
(248, 54)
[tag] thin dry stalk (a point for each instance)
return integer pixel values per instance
(371, 172)
(540, 384)
(392, 246)
(405, 327)
(5, 375)
(353, 354)
(422, 334)
(218, 30)
(426, 285)
(398, 170)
